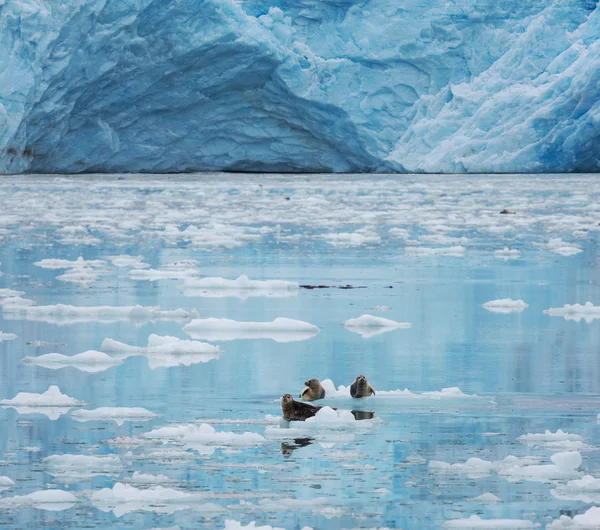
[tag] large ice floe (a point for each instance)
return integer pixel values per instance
(90, 361)
(117, 414)
(52, 403)
(242, 287)
(585, 489)
(222, 329)
(368, 325)
(558, 440)
(61, 314)
(564, 466)
(52, 500)
(70, 469)
(436, 87)
(475, 523)
(163, 352)
(590, 520)
(587, 312)
(505, 305)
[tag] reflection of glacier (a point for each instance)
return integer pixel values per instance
(334, 85)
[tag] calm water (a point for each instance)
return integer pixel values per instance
(524, 372)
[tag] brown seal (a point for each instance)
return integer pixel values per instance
(361, 388)
(313, 390)
(296, 410)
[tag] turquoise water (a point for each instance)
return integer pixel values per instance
(523, 372)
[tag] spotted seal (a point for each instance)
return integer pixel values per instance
(296, 410)
(361, 388)
(313, 390)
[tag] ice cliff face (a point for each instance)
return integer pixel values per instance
(299, 85)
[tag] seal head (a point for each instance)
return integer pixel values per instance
(313, 390)
(296, 410)
(361, 388)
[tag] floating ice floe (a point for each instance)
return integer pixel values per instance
(77, 235)
(575, 312)
(90, 361)
(368, 325)
(242, 287)
(486, 498)
(505, 305)
(52, 403)
(125, 498)
(135, 262)
(50, 500)
(154, 275)
(475, 522)
(68, 264)
(71, 469)
(147, 479)
(589, 520)
(352, 239)
(558, 440)
(558, 246)
(164, 351)
(67, 314)
(455, 251)
(203, 437)
(6, 483)
(565, 466)
(7, 336)
(279, 330)
(117, 414)
(10, 293)
(586, 489)
(507, 253)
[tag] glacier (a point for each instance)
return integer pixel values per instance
(299, 86)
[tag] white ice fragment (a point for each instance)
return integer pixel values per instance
(147, 479)
(589, 520)
(368, 325)
(353, 239)
(7, 336)
(52, 403)
(199, 436)
(236, 525)
(475, 522)
(586, 489)
(135, 262)
(242, 287)
(380, 308)
(124, 498)
(67, 314)
(486, 498)
(117, 414)
(507, 253)
(558, 246)
(455, 251)
(575, 312)
(6, 483)
(90, 361)
(50, 500)
(279, 330)
(558, 440)
(164, 351)
(153, 275)
(505, 305)
(79, 263)
(10, 293)
(70, 469)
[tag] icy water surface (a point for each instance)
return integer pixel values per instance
(193, 436)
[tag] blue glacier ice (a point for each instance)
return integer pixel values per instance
(303, 85)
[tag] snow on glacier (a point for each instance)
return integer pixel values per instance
(438, 86)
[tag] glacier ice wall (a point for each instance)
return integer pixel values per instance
(299, 85)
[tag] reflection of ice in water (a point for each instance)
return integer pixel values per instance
(48, 500)
(89, 361)
(576, 312)
(242, 287)
(117, 414)
(368, 326)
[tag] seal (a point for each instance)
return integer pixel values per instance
(361, 388)
(313, 390)
(296, 410)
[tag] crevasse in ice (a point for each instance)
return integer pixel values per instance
(328, 85)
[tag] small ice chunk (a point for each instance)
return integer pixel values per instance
(67, 264)
(558, 246)
(242, 287)
(455, 251)
(154, 275)
(380, 308)
(7, 336)
(585, 489)
(147, 479)
(70, 469)
(507, 253)
(486, 498)
(368, 325)
(10, 293)
(117, 414)
(558, 440)
(135, 262)
(90, 361)
(476, 522)
(52, 403)
(50, 500)
(164, 351)
(352, 239)
(505, 305)
(5, 483)
(279, 330)
(575, 312)
(589, 520)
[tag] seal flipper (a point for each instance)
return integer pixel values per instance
(372, 390)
